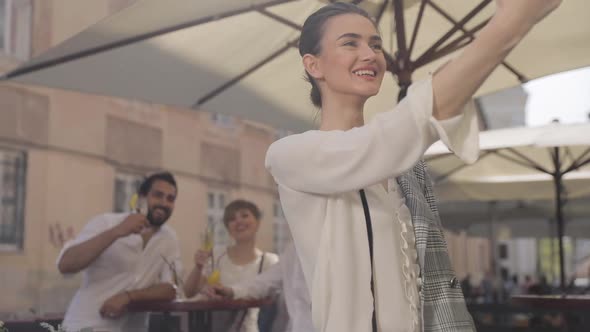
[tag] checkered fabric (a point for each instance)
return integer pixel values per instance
(442, 302)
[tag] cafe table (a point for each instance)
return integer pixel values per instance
(563, 312)
(553, 302)
(198, 310)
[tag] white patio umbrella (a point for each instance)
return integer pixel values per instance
(545, 162)
(523, 217)
(239, 57)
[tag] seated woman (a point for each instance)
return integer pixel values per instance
(239, 262)
(285, 277)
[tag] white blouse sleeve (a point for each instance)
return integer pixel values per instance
(329, 162)
(461, 135)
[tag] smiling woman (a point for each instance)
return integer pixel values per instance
(391, 272)
(238, 262)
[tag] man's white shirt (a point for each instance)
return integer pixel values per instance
(125, 265)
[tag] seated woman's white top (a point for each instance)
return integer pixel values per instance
(232, 274)
(319, 174)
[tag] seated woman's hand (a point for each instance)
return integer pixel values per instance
(217, 292)
(201, 258)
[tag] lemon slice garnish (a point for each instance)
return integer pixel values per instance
(214, 277)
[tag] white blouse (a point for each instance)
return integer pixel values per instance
(232, 274)
(287, 276)
(319, 174)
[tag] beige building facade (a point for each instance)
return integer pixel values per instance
(66, 157)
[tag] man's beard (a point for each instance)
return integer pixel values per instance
(158, 221)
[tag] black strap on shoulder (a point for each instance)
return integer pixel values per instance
(370, 238)
(261, 263)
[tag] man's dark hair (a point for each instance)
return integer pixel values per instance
(146, 185)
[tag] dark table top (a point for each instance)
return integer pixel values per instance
(196, 305)
(559, 302)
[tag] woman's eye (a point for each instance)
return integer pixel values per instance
(350, 43)
(378, 47)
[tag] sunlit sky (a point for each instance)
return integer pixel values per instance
(564, 96)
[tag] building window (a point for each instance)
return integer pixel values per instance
(12, 193)
(126, 184)
(215, 207)
(281, 234)
(15, 28)
(223, 120)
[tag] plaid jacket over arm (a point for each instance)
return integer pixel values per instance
(442, 302)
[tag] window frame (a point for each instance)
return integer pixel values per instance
(20, 190)
(17, 29)
(214, 216)
(126, 176)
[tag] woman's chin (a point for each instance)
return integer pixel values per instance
(243, 238)
(368, 92)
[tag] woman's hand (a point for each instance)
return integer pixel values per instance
(201, 258)
(217, 292)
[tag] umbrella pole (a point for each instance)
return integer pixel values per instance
(557, 178)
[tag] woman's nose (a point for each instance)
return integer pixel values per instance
(367, 53)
